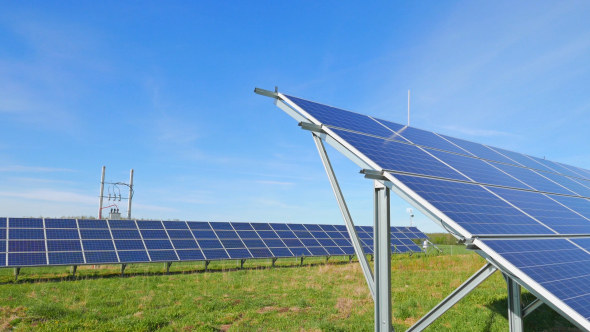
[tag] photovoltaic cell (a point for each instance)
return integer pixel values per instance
(60, 223)
(26, 223)
(534, 180)
(103, 257)
(478, 150)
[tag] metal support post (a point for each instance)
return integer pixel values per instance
(356, 243)
(327, 259)
(531, 307)
(16, 273)
(446, 304)
(350, 258)
(514, 305)
(301, 264)
(101, 193)
(242, 261)
(130, 195)
(123, 266)
(168, 267)
(273, 261)
(372, 257)
(73, 269)
(382, 245)
(207, 265)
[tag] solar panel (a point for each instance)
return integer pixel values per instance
(24, 243)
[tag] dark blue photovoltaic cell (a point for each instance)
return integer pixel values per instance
(227, 234)
(555, 167)
(60, 245)
(479, 150)
(274, 243)
(133, 256)
(90, 245)
(318, 251)
(101, 257)
(62, 234)
(158, 244)
(293, 243)
(210, 244)
(163, 255)
(233, 244)
(239, 253)
(204, 234)
(215, 254)
(368, 250)
(348, 250)
(198, 225)
(125, 234)
(268, 234)
(190, 255)
(521, 159)
(180, 234)
(248, 235)
(86, 223)
(260, 253)
(310, 242)
(66, 258)
(122, 224)
(95, 234)
(3, 222)
(254, 244)
(422, 137)
(320, 235)
(281, 252)
(242, 226)
(474, 208)
(342, 242)
(579, 172)
(26, 234)
(185, 244)
(261, 226)
(129, 244)
(27, 259)
(580, 205)
(398, 156)
(221, 226)
(327, 243)
(328, 228)
(175, 225)
(478, 170)
(286, 234)
(61, 223)
(2, 234)
(2, 260)
(558, 265)
(300, 251)
(279, 227)
(303, 234)
(363, 235)
(575, 185)
(149, 224)
(341, 228)
(297, 227)
(335, 235)
(2, 248)
(313, 228)
(334, 250)
(396, 242)
(21, 246)
(26, 223)
(534, 180)
(547, 211)
(154, 234)
(337, 117)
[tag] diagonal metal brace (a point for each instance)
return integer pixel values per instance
(356, 243)
(454, 297)
(531, 307)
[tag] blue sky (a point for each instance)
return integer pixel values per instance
(167, 89)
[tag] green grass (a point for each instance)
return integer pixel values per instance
(314, 297)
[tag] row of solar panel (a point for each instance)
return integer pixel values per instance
(396, 149)
(114, 241)
(561, 266)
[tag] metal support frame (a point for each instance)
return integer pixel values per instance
(514, 305)
(16, 273)
(446, 304)
(350, 258)
(382, 245)
(327, 259)
(302, 258)
(356, 242)
(73, 270)
(242, 261)
(273, 262)
(207, 265)
(531, 307)
(168, 267)
(123, 266)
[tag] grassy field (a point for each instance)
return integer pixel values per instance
(314, 297)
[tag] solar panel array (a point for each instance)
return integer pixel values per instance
(486, 191)
(36, 241)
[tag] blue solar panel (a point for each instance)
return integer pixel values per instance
(286, 234)
(398, 156)
(2, 248)
(102, 257)
(479, 150)
(158, 244)
(248, 235)
(63, 258)
(95, 234)
(558, 265)
(180, 234)
(90, 245)
(334, 251)
(534, 180)
(318, 251)
(175, 225)
(61, 223)
(293, 243)
(204, 234)
(2, 234)
(210, 244)
(274, 243)
(335, 235)
(26, 223)
(578, 186)
(26, 234)
(297, 227)
(340, 118)
(129, 244)
(198, 225)
(320, 235)
(473, 207)
(3, 222)
(303, 234)
(215, 254)
(133, 256)
(547, 211)
(154, 234)
(227, 234)
(279, 227)
(281, 252)
(242, 226)
(221, 226)
(125, 234)
(26, 245)
(63, 245)
(149, 224)
(268, 234)
(163, 255)
(422, 137)
(261, 253)
(122, 224)
(327, 243)
(261, 227)
(313, 227)
(555, 167)
(85, 223)
(190, 255)
(478, 170)
(233, 244)
(3, 260)
(254, 244)
(521, 159)
(27, 259)
(300, 251)
(62, 234)
(185, 244)
(239, 253)
(310, 242)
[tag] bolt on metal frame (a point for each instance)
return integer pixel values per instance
(515, 278)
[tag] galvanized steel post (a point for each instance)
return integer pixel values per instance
(382, 245)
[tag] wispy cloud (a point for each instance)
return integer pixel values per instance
(480, 132)
(51, 195)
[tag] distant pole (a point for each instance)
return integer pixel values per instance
(408, 108)
(101, 193)
(130, 195)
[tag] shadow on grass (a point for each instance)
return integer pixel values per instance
(542, 319)
(113, 274)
